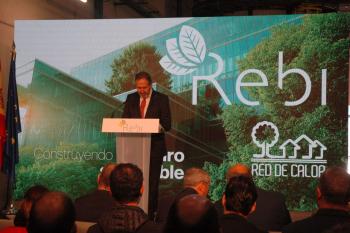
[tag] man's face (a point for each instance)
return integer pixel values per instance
(143, 87)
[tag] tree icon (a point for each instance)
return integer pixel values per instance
(265, 135)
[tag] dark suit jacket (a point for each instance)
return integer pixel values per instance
(89, 208)
(271, 213)
(148, 227)
(158, 107)
(124, 219)
(166, 202)
(323, 220)
(237, 224)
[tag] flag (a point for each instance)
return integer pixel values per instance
(2, 119)
(13, 123)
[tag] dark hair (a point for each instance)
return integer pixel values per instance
(54, 212)
(35, 192)
(126, 182)
(192, 214)
(335, 186)
(240, 194)
(30, 196)
(143, 75)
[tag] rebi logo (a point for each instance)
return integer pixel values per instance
(300, 157)
(187, 52)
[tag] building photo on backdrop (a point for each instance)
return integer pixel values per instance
(267, 91)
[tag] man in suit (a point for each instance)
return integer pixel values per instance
(239, 201)
(271, 213)
(90, 207)
(125, 216)
(148, 103)
(196, 181)
(333, 195)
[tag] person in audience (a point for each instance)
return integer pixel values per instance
(54, 212)
(30, 196)
(271, 212)
(239, 201)
(126, 216)
(90, 207)
(333, 195)
(196, 181)
(192, 214)
(22, 216)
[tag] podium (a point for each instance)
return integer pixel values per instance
(133, 145)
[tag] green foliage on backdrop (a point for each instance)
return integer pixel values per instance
(72, 176)
(321, 41)
(135, 58)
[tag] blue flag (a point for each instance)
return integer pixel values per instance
(13, 123)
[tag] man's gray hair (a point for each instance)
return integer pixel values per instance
(194, 176)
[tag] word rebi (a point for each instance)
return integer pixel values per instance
(264, 83)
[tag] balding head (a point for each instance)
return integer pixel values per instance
(192, 213)
(197, 179)
(53, 213)
(334, 186)
(238, 169)
(192, 208)
(103, 178)
(32, 195)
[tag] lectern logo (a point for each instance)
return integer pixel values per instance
(301, 157)
(122, 123)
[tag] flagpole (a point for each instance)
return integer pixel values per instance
(13, 52)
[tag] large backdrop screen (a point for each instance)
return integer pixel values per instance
(267, 91)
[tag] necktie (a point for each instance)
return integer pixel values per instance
(142, 107)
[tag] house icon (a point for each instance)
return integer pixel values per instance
(311, 145)
(322, 149)
(292, 144)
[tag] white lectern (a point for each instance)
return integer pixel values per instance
(134, 145)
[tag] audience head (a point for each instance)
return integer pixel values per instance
(30, 196)
(334, 188)
(53, 213)
(192, 214)
(103, 179)
(240, 195)
(197, 179)
(238, 169)
(126, 183)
